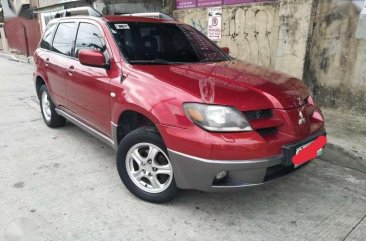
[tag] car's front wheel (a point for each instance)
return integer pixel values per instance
(144, 166)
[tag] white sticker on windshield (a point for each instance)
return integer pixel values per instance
(122, 26)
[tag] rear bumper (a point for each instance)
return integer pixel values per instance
(197, 173)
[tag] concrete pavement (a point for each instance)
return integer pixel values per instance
(346, 140)
(65, 182)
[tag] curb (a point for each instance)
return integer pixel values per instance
(340, 156)
(11, 57)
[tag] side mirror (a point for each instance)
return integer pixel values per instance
(92, 58)
(226, 50)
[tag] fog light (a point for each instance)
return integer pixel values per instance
(221, 175)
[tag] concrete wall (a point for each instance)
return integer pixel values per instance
(7, 11)
(2, 36)
(250, 31)
(133, 6)
(128, 6)
(295, 25)
(273, 33)
(336, 63)
(46, 3)
(3, 40)
(17, 5)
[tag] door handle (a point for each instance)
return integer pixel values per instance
(71, 69)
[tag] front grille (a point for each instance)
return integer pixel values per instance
(262, 121)
(257, 114)
(267, 131)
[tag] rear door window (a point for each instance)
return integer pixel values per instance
(89, 37)
(64, 38)
(46, 42)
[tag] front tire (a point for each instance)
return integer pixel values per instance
(49, 114)
(144, 166)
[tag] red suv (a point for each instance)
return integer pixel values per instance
(181, 113)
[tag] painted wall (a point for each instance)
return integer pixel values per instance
(23, 35)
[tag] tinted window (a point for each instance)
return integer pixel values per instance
(46, 42)
(64, 38)
(89, 37)
(142, 42)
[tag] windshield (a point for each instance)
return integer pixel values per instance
(164, 43)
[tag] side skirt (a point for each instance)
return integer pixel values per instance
(87, 128)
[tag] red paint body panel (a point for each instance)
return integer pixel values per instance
(235, 83)
(159, 91)
(92, 58)
(55, 69)
(88, 94)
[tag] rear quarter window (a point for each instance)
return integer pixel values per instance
(46, 42)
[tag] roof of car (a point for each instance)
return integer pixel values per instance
(114, 18)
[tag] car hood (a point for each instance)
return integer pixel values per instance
(235, 83)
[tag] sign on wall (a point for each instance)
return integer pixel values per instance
(228, 2)
(214, 23)
(181, 4)
(208, 3)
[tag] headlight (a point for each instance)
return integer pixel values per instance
(217, 118)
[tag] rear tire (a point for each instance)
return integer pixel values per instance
(49, 114)
(144, 166)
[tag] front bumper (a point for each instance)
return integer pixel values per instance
(197, 173)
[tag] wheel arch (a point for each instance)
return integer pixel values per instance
(39, 80)
(129, 120)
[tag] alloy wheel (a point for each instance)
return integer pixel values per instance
(46, 106)
(149, 167)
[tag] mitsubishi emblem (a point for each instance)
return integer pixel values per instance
(301, 118)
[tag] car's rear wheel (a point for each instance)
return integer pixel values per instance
(144, 166)
(50, 117)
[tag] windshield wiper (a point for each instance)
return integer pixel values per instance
(206, 60)
(154, 61)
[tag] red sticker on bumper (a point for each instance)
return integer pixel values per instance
(310, 152)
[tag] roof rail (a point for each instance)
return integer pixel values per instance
(158, 15)
(80, 11)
